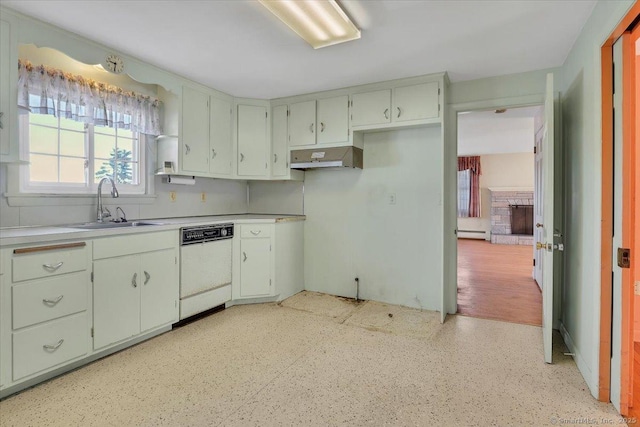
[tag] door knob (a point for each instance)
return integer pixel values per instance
(538, 225)
(540, 245)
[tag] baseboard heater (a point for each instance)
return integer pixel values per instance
(472, 234)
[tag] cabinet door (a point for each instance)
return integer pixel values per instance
(116, 299)
(371, 108)
(5, 87)
(333, 120)
(255, 267)
(252, 140)
(302, 123)
(220, 137)
(195, 131)
(415, 102)
(280, 148)
(159, 289)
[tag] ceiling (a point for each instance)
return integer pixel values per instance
(240, 48)
(485, 132)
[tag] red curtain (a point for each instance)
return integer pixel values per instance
(473, 164)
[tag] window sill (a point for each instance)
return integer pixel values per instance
(43, 199)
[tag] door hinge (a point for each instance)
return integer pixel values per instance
(287, 112)
(438, 91)
(91, 332)
(534, 262)
(92, 277)
(266, 114)
(535, 150)
(624, 257)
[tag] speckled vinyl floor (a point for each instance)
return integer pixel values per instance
(317, 360)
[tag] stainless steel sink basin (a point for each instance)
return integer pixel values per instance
(102, 225)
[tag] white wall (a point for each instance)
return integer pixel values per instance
(499, 170)
(352, 231)
(276, 197)
(581, 117)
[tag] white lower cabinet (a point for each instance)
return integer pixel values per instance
(253, 261)
(136, 291)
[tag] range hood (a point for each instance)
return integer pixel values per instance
(337, 157)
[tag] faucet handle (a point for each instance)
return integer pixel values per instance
(106, 213)
(122, 218)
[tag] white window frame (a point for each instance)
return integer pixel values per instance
(89, 188)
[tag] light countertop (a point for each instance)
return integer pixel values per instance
(12, 236)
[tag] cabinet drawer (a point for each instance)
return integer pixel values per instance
(49, 344)
(110, 247)
(44, 261)
(48, 299)
(255, 230)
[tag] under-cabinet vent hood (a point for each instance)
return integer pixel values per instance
(337, 157)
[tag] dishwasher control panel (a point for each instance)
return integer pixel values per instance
(205, 233)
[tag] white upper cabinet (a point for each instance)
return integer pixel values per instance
(279, 146)
(302, 123)
(220, 142)
(415, 102)
(9, 150)
(400, 104)
(252, 141)
(333, 120)
(194, 139)
(371, 108)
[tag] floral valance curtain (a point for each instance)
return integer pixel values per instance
(47, 90)
(469, 200)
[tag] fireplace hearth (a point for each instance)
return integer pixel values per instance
(512, 216)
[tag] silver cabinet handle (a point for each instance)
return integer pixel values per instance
(241, 157)
(213, 153)
(275, 158)
(147, 277)
(255, 233)
(386, 113)
(53, 267)
(244, 256)
(399, 112)
(53, 347)
(187, 149)
(321, 127)
(52, 302)
(311, 127)
(134, 280)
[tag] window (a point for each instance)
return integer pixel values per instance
(464, 192)
(67, 156)
(469, 172)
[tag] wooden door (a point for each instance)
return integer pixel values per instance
(279, 143)
(116, 299)
(371, 108)
(548, 245)
(220, 142)
(302, 123)
(252, 140)
(195, 131)
(333, 120)
(415, 102)
(255, 267)
(159, 289)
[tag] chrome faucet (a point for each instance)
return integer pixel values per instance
(102, 215)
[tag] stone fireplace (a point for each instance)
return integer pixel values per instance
(511, 216)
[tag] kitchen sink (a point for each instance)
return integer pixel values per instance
(103, 225)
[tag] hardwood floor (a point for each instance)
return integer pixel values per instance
(495, 282)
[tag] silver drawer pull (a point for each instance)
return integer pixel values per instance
(386, 114)
(52, 302)
(53, 347)
(147, 277)
(134, 280)
(187, 149)
(399, 111)
(53, 267)
(244, 254)
(255, 233)
(241, 157)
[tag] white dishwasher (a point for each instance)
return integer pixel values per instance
(205, 267)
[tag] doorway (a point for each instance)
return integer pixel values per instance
(620, 281)
(497, 213)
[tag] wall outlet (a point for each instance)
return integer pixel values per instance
(203, 197)
(173, 196)
(392, 198)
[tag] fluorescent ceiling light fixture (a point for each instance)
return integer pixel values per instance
(320, 22)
